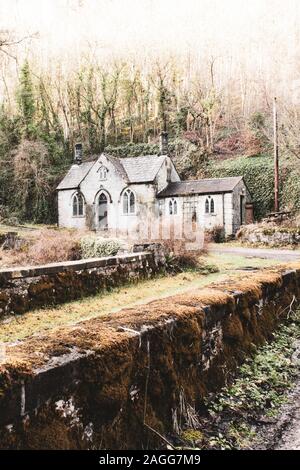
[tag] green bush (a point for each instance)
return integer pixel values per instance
(132, 150)
(96, 247)
(290, 196)
(186, 155)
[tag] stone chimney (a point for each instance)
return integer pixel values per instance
(78, 154)
(164, 150)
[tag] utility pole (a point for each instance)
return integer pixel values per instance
(276, 158)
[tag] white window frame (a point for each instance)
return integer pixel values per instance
(173, 207)
(103, 173)
(161, 207)
(128, 192)
(209, 201)
(75, 197)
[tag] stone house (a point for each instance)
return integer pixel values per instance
(125, 195)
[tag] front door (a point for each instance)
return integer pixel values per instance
(102, 212)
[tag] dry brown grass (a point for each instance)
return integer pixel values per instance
(204, 296)
(254, 283)
(44, 246)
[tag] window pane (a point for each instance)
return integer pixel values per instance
(206, 206)
(170, 207)
(102, 173)
(175, 207)
(132, 202)
(125, 203)
(161, 207)
(212, 206)
(80, 204)
(75, 205)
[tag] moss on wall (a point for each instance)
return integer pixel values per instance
(100, 381)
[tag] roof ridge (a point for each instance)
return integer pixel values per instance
(119, 166)
(143, 168)
(202, 186)
(208, 179)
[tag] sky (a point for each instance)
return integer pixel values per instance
(154, 25)
(259, 36)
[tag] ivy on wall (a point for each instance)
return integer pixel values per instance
(258, 172)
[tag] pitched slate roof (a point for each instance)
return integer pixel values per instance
(118, 165)
(205, 186)
(134, 170)
(142, 169)
(75, 175)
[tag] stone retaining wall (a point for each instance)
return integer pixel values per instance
(27, 288)
(271, 236)
(108, 382)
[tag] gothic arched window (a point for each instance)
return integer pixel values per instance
(175, 207)
(207, 206)
(128, 202)
(78, 205)
(212, 206)
(102, 173)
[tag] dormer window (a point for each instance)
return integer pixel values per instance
(102, 173)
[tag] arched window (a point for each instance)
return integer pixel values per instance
(175, 207)
(207, 206)
(78, 205)
(103, 173)
(128, 202)
(102, 211)
(161, 207)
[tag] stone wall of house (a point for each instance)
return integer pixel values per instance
(24, 289)
(106, 383)
(239, 190)
(113, 187)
